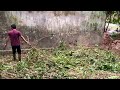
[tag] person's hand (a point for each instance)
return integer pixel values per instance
(29, 44)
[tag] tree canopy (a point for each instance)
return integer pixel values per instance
(113, 17)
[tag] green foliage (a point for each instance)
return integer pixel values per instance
(64, 64)
(21, 65)
(115, 17)
(62, 46)
(109, 67)
(115, 36)
(32, 55)
(1, 67)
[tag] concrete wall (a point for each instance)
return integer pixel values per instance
(74, 27)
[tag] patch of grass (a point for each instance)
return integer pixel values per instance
(115, 36)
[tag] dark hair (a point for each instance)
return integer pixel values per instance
(13, 26)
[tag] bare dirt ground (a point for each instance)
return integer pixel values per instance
(109, 43)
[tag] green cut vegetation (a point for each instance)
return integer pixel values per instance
(62, 63)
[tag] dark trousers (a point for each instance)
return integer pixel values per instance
(16, 48)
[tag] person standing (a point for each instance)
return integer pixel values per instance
(14, 37)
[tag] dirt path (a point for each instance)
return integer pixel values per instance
(115, 48)
(108, 43)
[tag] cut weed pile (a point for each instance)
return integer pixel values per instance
(62, 63)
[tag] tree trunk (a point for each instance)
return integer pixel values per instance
(109, 22)
(118, 17)
(105, 23)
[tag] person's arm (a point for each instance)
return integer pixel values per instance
(7, 40)
(25, 40)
